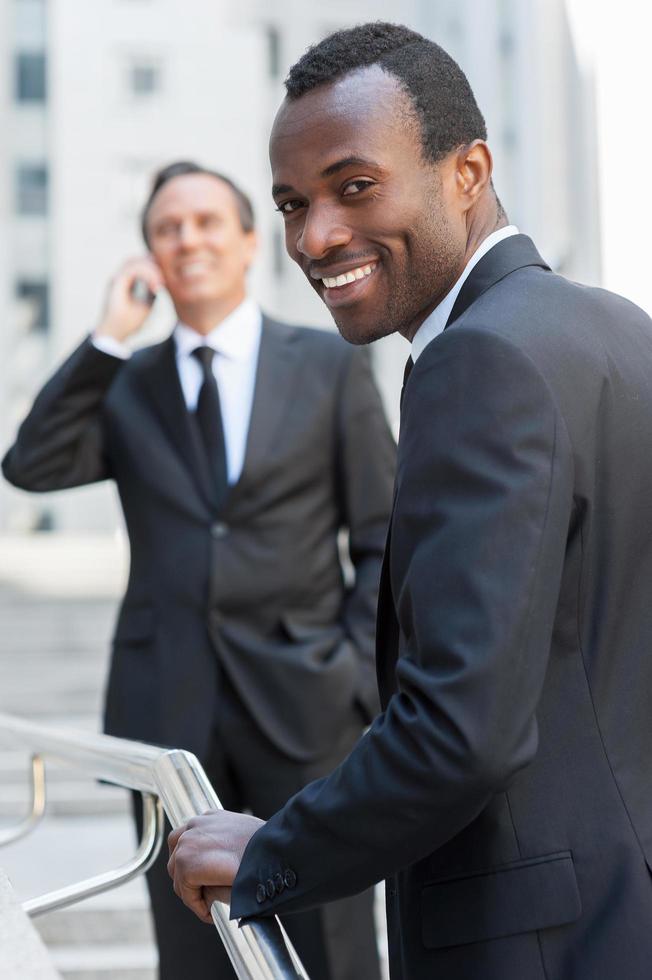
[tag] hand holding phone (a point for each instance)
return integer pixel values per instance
(129, 298)
(141, 292)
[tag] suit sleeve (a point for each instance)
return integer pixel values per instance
(485, 479)
(366, 464)
(61, 443)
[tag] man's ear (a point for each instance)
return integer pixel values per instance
(251, 247)
(474, 165)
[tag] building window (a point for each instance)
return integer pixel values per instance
(30, 76)
(273, 51)
(506, 44)
(34, 294)
(144, 79)
(32, 189)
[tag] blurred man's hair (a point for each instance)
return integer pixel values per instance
(437, 87)
(180, 169)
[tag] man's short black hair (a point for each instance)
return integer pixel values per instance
(180, 169)
(445, 105)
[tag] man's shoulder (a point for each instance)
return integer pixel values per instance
(542, 312)
(315, 342)
(545, 326)
(145, 357)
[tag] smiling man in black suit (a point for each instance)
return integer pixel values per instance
(505, 790)
(240, 447)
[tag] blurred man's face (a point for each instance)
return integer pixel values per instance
(196, 237)
(372, 224)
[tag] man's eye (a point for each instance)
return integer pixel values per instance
(210, 221)
(355, 186)
(288, 207)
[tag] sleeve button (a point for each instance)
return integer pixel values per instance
(279, 884)
(289, 878)
(261, 894)
(270, 888)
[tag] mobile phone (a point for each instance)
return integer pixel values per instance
(141, 292)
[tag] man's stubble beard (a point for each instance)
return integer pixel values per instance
(431, 260)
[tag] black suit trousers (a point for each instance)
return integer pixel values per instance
(334, 942)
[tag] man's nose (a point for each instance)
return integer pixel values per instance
(188, 234)
(322, 230)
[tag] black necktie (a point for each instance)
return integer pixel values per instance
(409, 364)
(209, 419)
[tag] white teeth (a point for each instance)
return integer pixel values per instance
(332, 282)
(192, 268)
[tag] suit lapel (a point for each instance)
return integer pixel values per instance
(507, 256)
(164, 389)
(276, 386)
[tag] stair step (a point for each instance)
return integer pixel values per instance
(109, 973)
(65, 797)
(68, 806)
(101, 925)
(99, 962)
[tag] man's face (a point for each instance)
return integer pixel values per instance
(196, 237)
(359, 201)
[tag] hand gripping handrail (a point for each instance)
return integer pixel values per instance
(258, 948)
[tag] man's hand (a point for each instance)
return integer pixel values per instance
(124, 314)
(205, 856)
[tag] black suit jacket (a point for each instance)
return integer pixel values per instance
(259, 582)
(505, 792)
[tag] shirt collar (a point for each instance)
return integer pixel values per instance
(434, 324)
(236, 337)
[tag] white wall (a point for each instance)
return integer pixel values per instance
(105, 143)
(617, 45)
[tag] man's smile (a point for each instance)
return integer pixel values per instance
(342, 286)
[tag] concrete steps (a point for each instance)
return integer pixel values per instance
(109, 936)
(58, 600)
(105, 962)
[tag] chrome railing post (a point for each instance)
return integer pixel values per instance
(259, 947)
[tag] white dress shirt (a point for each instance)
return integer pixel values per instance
(433, 325)
(236, 341)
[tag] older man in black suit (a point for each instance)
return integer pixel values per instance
(241, 448)
(505, 791)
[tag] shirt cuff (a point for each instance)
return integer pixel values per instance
(109, 345)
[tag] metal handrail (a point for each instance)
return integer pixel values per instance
(258, 948)
(11, 834)
(150, 845)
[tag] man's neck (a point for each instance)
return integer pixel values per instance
(204, 318)
(480, 227)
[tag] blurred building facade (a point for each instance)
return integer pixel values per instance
(98, 95)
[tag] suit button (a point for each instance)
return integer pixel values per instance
(290, 878)
(279, 884)
(261, 894)
(270, 888)
(219, 530)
